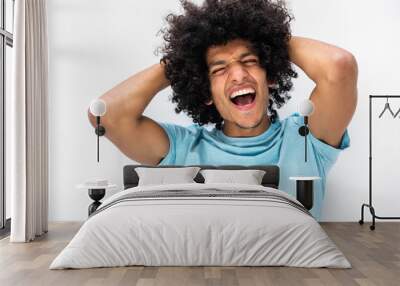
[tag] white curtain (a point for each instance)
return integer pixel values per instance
(28, 123)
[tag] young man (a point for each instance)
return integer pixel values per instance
(229, 63)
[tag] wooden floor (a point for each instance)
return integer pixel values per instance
(374, 255)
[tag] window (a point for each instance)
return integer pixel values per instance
(6, 44)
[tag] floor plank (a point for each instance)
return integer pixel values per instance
(374, 255)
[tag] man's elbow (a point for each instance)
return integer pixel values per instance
(344, 67)
(92, 118)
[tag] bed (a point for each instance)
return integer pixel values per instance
(200, 223)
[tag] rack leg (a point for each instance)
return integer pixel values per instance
(361, 221)
(372, 210)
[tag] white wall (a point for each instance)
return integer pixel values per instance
(95, 44)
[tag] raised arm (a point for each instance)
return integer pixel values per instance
(334, 71)
(138, 137)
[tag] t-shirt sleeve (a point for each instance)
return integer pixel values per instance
(325, 153)
(179, 138)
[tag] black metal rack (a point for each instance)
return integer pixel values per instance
(371, 208)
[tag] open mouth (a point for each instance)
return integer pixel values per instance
(244, 101)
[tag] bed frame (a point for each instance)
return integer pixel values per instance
(270, 179)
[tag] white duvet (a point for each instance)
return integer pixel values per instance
(182, 231)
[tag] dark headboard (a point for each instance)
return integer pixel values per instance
(270, 179)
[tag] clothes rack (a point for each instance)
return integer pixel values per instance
(370, 206)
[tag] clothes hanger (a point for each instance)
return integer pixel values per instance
(387, 106)
(398, 111)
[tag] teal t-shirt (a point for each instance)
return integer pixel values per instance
(279, 145)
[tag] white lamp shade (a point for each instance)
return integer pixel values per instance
(306, 107)
(98, 107)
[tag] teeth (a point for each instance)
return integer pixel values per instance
(241, 92)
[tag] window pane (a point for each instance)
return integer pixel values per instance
(10, 16)
(8, 70)
(2, 197)
(1, 15)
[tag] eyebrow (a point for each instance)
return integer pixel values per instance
(221, 62)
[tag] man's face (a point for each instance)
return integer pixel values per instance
(239, 87)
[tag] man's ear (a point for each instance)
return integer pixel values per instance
(209, 102)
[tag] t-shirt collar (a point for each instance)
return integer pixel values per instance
(263, 137)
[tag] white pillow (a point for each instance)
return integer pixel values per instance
(162, 176)
(249, 177)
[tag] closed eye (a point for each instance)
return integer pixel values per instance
(250, 62)
(218, 71)
(221, 70)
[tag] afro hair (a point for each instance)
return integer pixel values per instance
(187, 37)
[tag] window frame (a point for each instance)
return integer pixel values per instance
(6, 39)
